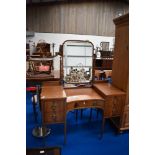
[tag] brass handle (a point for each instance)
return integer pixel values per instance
(53, 103)
(53, 108)
(95, 103)
(76, 105)
(54, 116)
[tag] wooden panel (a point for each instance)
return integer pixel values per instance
(78, 94)
(52, 92)
(92, 18)
(125, 118)
(120, 68)
(127, 95)
(108, 106)
(118, 104)
(108, 89)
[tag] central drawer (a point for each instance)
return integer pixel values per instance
(85, 104)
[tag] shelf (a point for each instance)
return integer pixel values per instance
(82, 82)
(81, 45)
(77, 66)
(102, 68)
(77, 56)
(40, 59)
(103, 58)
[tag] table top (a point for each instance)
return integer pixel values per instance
(108, 89)
(53, 92)
(82, 94)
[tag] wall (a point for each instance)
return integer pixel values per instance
(90, 18)
(58, 39)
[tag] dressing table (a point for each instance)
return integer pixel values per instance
(57, 101)
(79, 89)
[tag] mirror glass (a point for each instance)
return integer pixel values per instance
(77, 62)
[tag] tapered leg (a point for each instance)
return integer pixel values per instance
(91, 110)
(65, 130)
(81, 113)
(76, 113)
(97, 112)
(103, 123)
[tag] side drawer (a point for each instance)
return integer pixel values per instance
(98, 104)
(53, 117)
(54, 105)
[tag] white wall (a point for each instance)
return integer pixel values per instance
(59, 38)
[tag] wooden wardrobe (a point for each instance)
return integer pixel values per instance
(120, 69)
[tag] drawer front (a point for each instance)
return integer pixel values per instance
(53, 117)
(99, 104)
(54, 105)
(85, 104)
(53, 111)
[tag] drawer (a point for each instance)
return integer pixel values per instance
(54, 106)
(98, 104)
(53, 117)
(77, 105)
(84, 104)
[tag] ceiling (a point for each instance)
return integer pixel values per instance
(47, 1)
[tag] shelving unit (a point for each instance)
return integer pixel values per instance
(103, 63)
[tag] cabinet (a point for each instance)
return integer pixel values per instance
(102, 65)
(114, 99)
(27, 51)
(120, 69)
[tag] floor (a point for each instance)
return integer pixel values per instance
(82, 136)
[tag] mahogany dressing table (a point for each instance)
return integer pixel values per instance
(57, 101)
